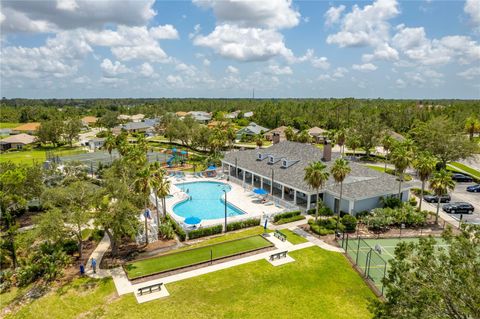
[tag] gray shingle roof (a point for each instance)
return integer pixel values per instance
(253, 128)
(362, 182)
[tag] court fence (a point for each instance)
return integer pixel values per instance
(366, 259)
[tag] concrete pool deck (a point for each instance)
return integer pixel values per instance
(237, 196)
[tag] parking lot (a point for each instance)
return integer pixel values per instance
(460, 194)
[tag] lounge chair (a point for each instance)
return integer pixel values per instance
(269, 203)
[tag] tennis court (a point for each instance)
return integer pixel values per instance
(372, 255)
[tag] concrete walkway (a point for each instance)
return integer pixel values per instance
(320, 243)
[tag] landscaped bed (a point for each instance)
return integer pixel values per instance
(319, 284)
(190, 257)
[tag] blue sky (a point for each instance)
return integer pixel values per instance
(210, 48)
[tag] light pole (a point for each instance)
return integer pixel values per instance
(224, 191)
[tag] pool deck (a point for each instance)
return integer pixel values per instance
(237, 196)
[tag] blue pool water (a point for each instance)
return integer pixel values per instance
(207, 201)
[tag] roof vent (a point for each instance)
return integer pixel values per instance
(261, 157)
(272, 159)
(287, 163)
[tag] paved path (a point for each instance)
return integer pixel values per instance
(320, 243)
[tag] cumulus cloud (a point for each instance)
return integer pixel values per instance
(146, 70)
(248, 30)
(245, 44)
(365, 26)
(333, 14)
(472, 9)
(400, 84)
(364, 67)
(275, 14)
(278, 70)
(320, 62)
(231, 69)
(111, 70)
(470, 73)
(48, 16)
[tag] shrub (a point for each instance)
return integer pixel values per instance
(202, 232)
(166, 231)
(413, 201)
(97, 235)
(322, 211)
(285, 215)
(350, 223)
(178, 230)
(319, 230)
(391, 202)
(70, 246)
(289, 220)
(243, 224)
(418, 191)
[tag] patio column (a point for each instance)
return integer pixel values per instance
(283, 192)
(243, 176)
(351, 203)
(253, 178)
(309, 198)
(295, 196)
(261, 182)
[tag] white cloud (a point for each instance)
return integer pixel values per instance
(364, 67)
(333, 14)
(470, 73)
(47, 16)
(339, 72)
(196, 30)
(245, 44)
(320, 63)
(231, 70)
(400, 84)
(366, 26)
(164, 32)
(189, 70)
(146, 70)
(472, 9)
(382, 52)
(112, 70)
(276, 14)
(277, 70)
(206, 62)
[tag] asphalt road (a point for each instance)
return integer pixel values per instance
(460, 194)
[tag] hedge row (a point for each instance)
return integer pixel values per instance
(289, 220)
(179, 230)
(286, 215)
(243, 224)
(207, 231)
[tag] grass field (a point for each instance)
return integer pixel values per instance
(8, 125)
(319, 284)
(292, 237)
(36, 155)
(473, 172)
(193, 256)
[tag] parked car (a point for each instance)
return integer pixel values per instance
(474, 188)
(462, 178)
(434, 198)
(458, 208)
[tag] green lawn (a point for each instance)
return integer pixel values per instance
(292, 237)
(193, 256)
(8, 125)
(36, 155)
(319, 284)
(473, 172)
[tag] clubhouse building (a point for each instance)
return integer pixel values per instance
(283, 166)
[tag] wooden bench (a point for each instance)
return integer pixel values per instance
(279, 255)
(150, 289)
(280, 236)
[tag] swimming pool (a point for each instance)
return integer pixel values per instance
(206, 201)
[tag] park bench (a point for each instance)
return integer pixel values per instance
(150, 289)
(279, 255)
(280, 236)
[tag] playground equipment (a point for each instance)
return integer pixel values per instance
(177, 157)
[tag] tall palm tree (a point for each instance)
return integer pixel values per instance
(352, 141)
(259, 141)
(424, 164)
(440, 184)
(472, 125)
(387, 143)
(110, 144)
(163, 189)
(340, 137)
(340, 170)
(316, 176)
(289, 133)
(401, 157)
(143, 185)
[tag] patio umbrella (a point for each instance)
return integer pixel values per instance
(192, 220)
(260, 191)
(211, 168)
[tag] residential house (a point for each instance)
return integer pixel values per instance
(318, 134)
(28, 128)
(133, 127)
(280, 132)
(201, 116)
(181, 114)
(17, 142)
(283, 166)
(96, 143)
(89, 120)
(214, 124)
(247, 115)
(251, 130)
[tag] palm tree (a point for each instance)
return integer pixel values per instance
(340, 137)
(352, 141)
(144, 184)
(303, 137)
(289, 134)
(340, 170)
(163, 189)
(259, 141)
(440, 184)
(472, 125)
(424, 164)
(316, 176)
(401, 157)
(110, 144)
(387, 142)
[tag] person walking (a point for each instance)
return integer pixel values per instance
(82, 269)
(94, 265)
